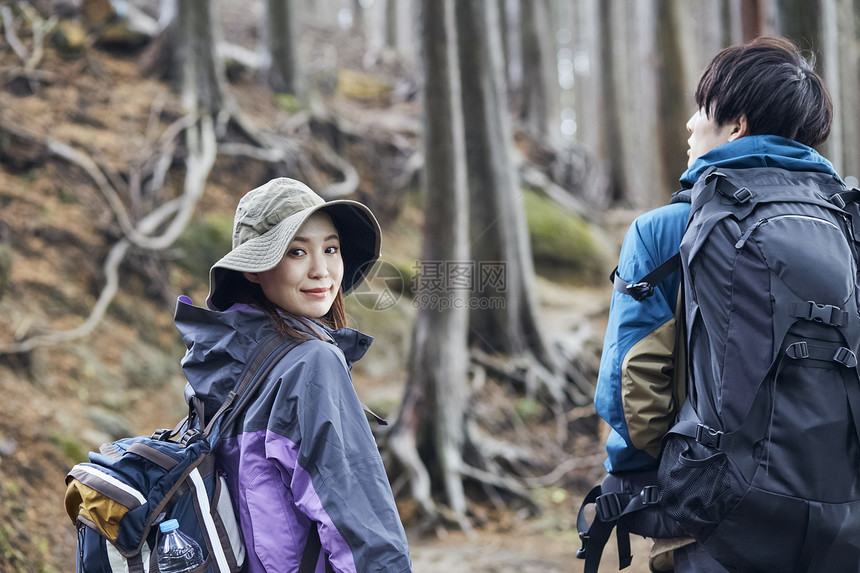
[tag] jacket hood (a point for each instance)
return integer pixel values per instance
(759, 151)
(221, 343)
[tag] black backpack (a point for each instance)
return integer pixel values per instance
(763, 465)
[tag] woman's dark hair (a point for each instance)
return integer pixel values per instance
(770, 82)
(251, 294)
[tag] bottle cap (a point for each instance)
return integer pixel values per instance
(169, 525)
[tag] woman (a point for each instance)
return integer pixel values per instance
(301, 461)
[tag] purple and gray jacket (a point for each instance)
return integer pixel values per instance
(302, 454)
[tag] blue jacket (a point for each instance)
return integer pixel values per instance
(637, 393)
(302, 454)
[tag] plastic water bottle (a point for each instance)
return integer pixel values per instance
(176, 552)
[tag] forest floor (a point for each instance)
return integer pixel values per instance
(546, 543)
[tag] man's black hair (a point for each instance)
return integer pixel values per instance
(770, 82)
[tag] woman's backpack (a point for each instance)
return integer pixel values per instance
(118, 499)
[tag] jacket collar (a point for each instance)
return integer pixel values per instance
(351, 342)
(239, 328)
(759, 151)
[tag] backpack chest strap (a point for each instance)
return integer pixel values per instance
(823, 313)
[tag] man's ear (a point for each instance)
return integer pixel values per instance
(253, 277)
(739, 128)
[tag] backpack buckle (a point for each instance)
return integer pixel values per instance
(649, 495)
(708, 436)
(640, 291)
(797, 350)
(845, 357)
(837, 200)
(713, 175)
(583, 537)
(822, 313)
(608, 506)
(162, 435)
(742, 195)
(191, 436)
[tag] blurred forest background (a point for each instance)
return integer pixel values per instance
(504, 145)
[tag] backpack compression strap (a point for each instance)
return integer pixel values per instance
(645, 286)
(609, 509)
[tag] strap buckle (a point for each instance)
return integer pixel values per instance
(640, 291)
(838, 200)
(845, 357)
(742, 195)
(649, 495)
(583, 537)
(162, 435)
(713, 175)
(822, 313)
(608, 506)
(797, 350)
(192, 436)
(708, 436)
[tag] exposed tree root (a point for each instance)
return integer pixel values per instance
(501, 455)
(40, 28)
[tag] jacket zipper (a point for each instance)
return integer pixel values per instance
(742, 241)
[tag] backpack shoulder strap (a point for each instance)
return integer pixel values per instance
(270, 352)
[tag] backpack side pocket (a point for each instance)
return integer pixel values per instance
(699, 485)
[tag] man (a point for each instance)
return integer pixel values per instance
(759, 104)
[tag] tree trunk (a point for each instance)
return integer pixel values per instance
(431, 420)
(674, 101)
(283, 70)
(540, 112)
(752, 19)
(357, 16)
(611, 144)
(849, 110)
(391, 23)
(196, 34)
(829, 48)
(504, 319)
(801, 21)
(506, 47)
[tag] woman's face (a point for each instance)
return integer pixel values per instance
(308, 278)
(705, 135)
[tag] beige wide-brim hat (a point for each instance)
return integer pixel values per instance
(267, 220)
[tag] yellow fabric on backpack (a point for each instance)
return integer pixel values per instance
(94, 508)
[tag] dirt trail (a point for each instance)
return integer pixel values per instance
(547, 543)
